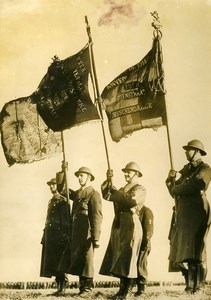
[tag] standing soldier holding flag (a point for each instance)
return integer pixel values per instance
(192, 217)
(122, 253)
(86, 229)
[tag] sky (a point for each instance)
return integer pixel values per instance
(31, 33)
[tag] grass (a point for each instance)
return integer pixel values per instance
(153, 293)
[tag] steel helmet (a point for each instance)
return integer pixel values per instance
(134, 167)
(85, 170)
(52, 181)
(195, 144)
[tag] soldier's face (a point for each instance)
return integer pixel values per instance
(83, 178)
(53, 188)
(130, 175)
(189, 154)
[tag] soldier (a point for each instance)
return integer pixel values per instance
(86, 229)
(192, 217)
(147, 221)
(121, 256)
(55, 237)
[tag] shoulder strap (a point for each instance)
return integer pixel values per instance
(132, 188)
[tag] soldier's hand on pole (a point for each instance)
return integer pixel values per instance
(105, 190)
(95, 244)
(64, 165)
(112, 189)
(109, 175)
(172, 173)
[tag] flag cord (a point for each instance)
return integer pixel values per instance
(97, 96)
(158, 35)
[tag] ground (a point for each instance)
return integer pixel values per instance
(153, 293)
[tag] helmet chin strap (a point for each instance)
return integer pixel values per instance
(133, 176)
(194, 154)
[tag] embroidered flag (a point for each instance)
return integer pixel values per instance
(25, 137)
(136, 98)
(62, 97)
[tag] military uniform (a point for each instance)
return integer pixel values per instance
(191, 221)
(122, 253)
(86, 228)
(55, 237)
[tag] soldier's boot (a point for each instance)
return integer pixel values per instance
(127, 289)
(61, 281)
(200, 278)
(85, 285)
(57, 292)
(81, 283)
(141, 289)
(122, 288)
(185, 274)
(63, 286)
(192, 269)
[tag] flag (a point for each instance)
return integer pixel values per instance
(25, 137)
(136, 98)
(62, 97)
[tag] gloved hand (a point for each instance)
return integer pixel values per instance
(170, 181)
(112, 189)
(172, 173)
(64, 165)
(95, 244)
(105, 190)
(145, 244)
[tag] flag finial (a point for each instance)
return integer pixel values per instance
(88, 29)
(156, 25)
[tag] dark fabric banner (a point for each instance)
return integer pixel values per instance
(136, 98)
(62, 97)
(25, 137)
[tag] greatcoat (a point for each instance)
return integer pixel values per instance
(86, 228)
(55, 236)
(146, 218)
(192, 213)
(121, 256)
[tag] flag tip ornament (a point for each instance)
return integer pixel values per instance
(156, 24)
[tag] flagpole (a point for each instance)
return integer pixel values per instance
(64, 167)
(158, 35)
(98, 98)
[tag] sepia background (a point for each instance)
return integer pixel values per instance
(31, 33)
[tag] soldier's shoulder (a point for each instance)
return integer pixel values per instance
(63, 199)
(148, 210)
(205, 167)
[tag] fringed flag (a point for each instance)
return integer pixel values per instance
(136, 98)
(25, 137)
(62, 97)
